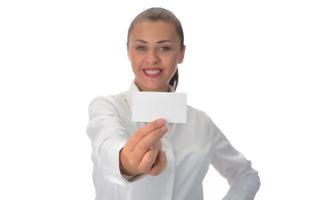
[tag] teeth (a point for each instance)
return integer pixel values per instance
(152, 71)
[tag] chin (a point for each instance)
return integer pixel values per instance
(149, 85)
(152, 87)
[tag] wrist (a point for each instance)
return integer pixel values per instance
(122, 168)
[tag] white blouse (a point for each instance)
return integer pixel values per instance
(190, 148)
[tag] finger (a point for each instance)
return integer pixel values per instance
(133, 160)
(142, 132)
(157, 146)
(159, 165)
(152, 126)
(148, 160)
(148, 142)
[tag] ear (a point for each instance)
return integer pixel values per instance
(128, 53)
(181, 55)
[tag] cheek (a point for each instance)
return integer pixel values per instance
(172, 61)
(135, 59)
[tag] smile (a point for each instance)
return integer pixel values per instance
(152, 73)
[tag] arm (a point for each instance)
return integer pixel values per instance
(231, 164)
(108, 136)
(119, 156)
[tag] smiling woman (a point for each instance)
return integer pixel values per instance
(154, 51)
(155, 44)
(138, 161)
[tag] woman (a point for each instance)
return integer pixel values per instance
(138, 161)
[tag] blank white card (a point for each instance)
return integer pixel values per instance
(148, 106)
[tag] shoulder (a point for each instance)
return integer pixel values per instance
(201, 121)
(195, 114)
(108, 99)
(203, 124)
(109, 103)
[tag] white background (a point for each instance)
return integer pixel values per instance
(247, 65)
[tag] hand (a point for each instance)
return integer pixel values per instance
(142, 153)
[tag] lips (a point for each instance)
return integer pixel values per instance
(152, 72)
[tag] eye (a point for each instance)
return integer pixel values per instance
(165, 48)
(141, 48)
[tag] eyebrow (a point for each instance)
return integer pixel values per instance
(161, 41)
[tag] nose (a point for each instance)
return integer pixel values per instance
(152, 57)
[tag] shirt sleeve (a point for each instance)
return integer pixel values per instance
(108, 136)
(243, 179)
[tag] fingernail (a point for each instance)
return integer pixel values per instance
(160, 122)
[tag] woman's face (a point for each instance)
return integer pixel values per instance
(154, 51)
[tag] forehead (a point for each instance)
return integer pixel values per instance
(154, 30)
